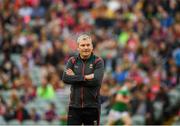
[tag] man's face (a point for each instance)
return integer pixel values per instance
(85, 48)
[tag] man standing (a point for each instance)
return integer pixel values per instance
(176, 57)
(84, 73)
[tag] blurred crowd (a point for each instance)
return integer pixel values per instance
(139, 40)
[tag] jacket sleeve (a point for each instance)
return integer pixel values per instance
(98, 74)
(71, 79)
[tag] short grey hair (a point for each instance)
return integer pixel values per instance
(83, 37)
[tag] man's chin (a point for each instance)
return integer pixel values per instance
(87, 54)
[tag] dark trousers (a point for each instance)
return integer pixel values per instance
(86, 116)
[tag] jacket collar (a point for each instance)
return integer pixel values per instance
(87, 59)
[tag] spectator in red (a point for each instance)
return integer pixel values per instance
(21, 113)
(51, 114)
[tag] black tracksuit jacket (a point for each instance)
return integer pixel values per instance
(84, 93)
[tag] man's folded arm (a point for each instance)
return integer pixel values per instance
(98, 75)
(71, 79)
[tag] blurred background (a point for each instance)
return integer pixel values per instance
(139, 40)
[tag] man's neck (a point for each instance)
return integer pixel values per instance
(84, 57)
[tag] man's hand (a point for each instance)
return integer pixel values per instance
(69, 72)
(89, 76)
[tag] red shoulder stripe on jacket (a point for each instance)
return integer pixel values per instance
(97, 60)
(73, 60)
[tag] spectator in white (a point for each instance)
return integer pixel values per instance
(25, 10)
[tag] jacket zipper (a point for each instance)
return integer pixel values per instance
(82, 89)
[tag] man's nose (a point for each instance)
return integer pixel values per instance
(85, 47)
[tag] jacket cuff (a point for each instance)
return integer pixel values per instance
(84, 78)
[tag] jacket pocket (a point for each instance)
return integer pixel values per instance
(91, 96)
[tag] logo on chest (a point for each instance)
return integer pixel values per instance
(75, 66)
(91, 66)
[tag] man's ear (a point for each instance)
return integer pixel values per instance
(92, 46)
